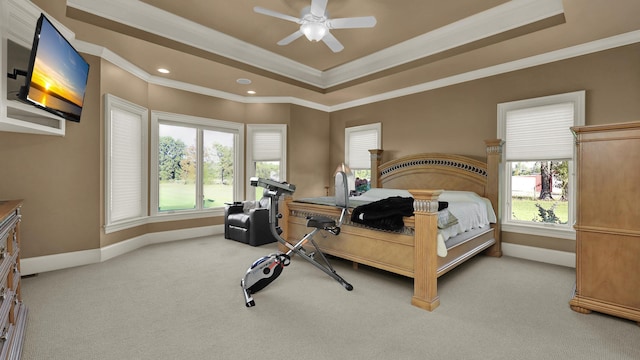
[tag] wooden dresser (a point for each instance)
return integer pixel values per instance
(13, 313)
(608, 220)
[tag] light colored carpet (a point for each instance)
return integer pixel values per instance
(182, 300)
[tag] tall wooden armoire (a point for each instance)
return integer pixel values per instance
(608, 220)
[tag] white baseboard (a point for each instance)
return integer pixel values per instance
(549, 256)
(40, 264)
(123, 247)
(34, 265)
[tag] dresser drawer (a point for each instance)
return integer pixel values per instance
(5, 240)
(6, 264)
(7, 298)
(7, 231)
(6, 338)
(13, 312)
(16, 279)
(7, 328)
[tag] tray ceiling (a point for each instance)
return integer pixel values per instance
(212, 43)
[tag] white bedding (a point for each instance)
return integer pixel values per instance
(376, 194)
(472, 211)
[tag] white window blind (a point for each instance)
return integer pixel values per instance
(540, 133)
(126, 157)
(266, 148)
(126, 164)
(360, 142)
(267, 145)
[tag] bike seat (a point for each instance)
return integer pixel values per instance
(320, 222)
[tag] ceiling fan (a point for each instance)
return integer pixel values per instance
(315, 24)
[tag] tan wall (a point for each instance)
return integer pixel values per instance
(188, 103)
(308, 153)
(59, 180)
(457, 119)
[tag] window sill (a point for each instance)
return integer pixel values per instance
(125, 224)
(174, 216)
(548, 230)
(186, 215)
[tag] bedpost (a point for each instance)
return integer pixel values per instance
(425, 267)
(376, 160)
(283, 222)
(492, 190)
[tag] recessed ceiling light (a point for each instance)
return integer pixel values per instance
(251, 92)
(163, 70)
(243, 81)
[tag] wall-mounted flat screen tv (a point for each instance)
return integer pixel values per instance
(57, 74)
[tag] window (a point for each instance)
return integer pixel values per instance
(125, 164)
(538, 193)
(196, 164)
(358, 141)
(267, 155)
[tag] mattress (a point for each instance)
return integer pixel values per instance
(470, 209)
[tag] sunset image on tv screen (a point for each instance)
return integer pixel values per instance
(59, 74)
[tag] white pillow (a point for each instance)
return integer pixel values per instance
(452, 196)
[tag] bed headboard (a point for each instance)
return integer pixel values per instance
(440, 171)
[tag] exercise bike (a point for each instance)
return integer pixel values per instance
(266, 269)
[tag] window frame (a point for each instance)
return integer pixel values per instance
(112, 103)
(252, 130)
(200, 123)
(350, 131)
(565, 231)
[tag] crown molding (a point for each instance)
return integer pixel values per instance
(557, 55)
(21, 18)
(139, 15)
(134, 13)
(508, 16)
(122, 63)
(549, 57)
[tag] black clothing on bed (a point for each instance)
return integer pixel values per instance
(385, 214)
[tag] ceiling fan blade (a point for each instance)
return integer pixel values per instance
(261, 10)
(332, 42)
(318, 7)
(290, 38)
(352, 22)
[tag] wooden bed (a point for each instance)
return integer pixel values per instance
(411, 253)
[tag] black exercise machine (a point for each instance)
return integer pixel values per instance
(267, 268)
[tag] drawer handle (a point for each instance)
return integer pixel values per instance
(5, 332)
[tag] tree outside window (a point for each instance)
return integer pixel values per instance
(539, 191)
(195, 162)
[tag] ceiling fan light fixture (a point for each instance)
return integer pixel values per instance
(314, 31)
(314, 23)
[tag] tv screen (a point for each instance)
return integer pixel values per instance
(57, 73)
